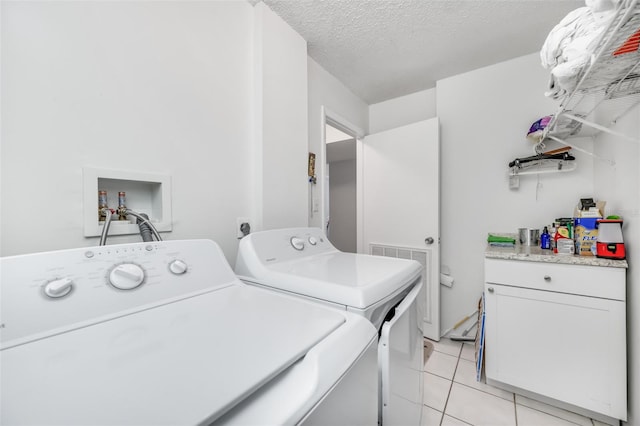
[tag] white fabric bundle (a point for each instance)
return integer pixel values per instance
(569, 45)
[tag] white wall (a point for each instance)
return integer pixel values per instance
(619, 185)
(342, 184)
(485, 115)
(212, 93)
(280, 114)
(403, 110)
(325, 90)
(159, 87)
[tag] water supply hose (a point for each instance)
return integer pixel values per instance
(144, 222)
(145, 229)
(107, 222)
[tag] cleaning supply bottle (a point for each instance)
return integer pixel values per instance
(552, 237)
(564, 243)
(545, 239)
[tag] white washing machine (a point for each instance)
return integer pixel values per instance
(164, 333)
(386, 291)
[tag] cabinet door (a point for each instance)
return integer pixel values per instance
(566, 347)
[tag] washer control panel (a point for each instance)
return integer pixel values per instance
(178, 267)
(126, 276)
(47, 293)
(59, 287)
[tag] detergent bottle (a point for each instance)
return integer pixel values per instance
(563, 241)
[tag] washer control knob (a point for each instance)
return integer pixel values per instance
(58, 288)
(177, 267)
(126, 276)
(313, 241)
(297, 243)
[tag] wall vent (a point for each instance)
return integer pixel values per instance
(422, 256)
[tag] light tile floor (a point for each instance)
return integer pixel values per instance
(453, 397)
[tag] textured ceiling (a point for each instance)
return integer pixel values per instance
(382, 49)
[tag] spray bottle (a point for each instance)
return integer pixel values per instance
(545, 239)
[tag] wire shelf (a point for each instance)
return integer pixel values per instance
(611, 78)
(542, 167)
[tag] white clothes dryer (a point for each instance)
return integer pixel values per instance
(164, 333)
(386, 291)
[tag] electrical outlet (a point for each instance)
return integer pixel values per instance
(514, 182)
(243, 227)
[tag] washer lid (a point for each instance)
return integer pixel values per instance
(185, 362)
(355, 280)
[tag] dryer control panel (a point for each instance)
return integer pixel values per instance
(53, 292)
(308, 239)
(281, 245)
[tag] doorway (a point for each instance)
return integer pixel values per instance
(341, 143)
(341, 193)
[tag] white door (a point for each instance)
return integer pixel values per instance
(400, 204)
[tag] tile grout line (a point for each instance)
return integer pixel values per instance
(444, 410)
(490, 394)
(460, 420)
(557, 416)
(552, 414)
(514, 395)
(424, 371)
(476, 389)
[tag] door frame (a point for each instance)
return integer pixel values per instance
(327, 116)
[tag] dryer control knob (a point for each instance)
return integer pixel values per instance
(126, 276)
(178, 267)
(297, 243)
(58, 288)
(313, 241)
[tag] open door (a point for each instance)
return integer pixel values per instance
(401, 203)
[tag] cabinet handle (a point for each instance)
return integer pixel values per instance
(490, 289)
(547, 278)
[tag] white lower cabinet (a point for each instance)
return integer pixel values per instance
(558, 331)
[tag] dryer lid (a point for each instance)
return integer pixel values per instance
(185, 362)
(355, 280)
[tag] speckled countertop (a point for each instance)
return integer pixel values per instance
(536, 254)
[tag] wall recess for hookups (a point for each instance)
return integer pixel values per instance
(145, 193)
